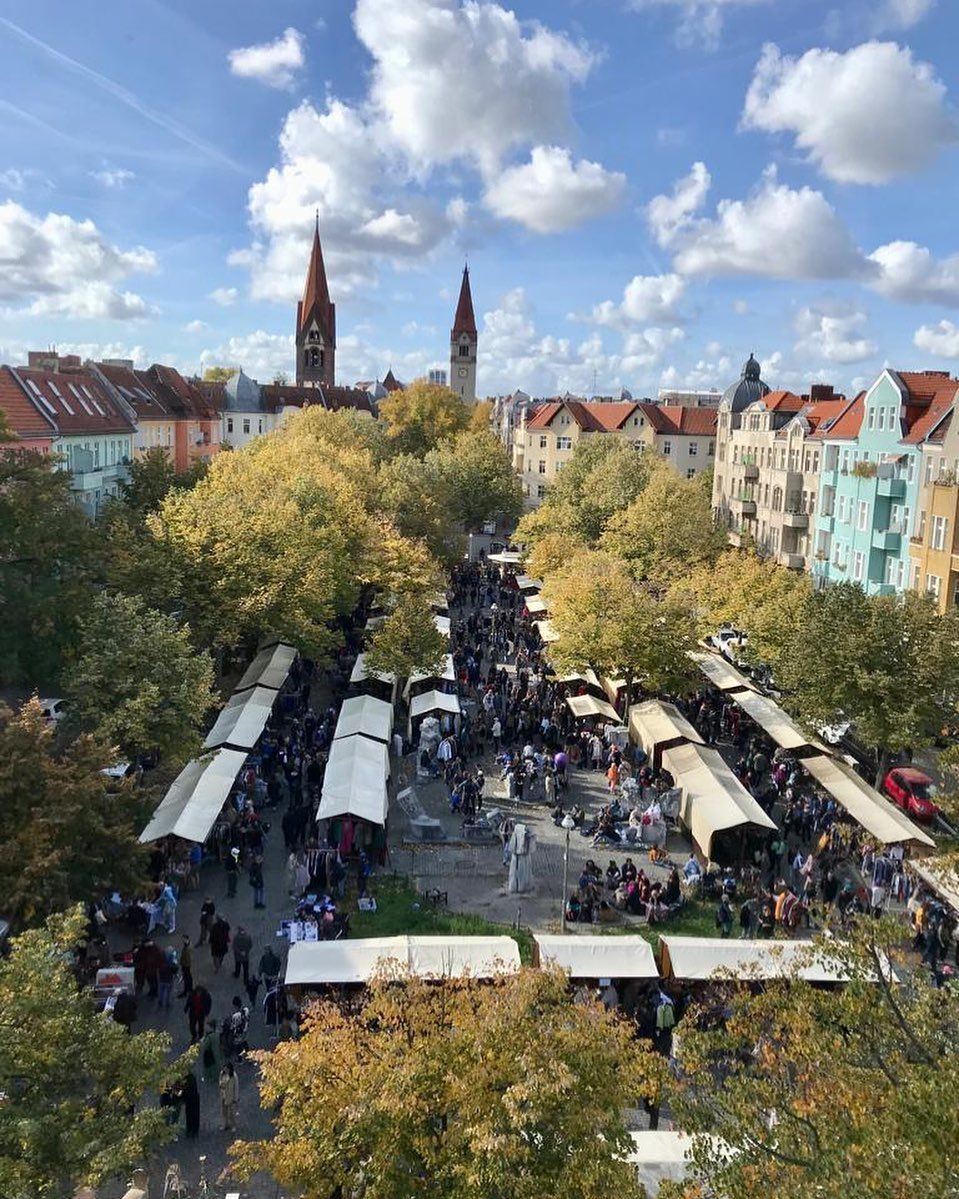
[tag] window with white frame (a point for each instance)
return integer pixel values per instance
(542, 466)
(712, 449)
(541, 490)
(693, 449)
(564, 443)
(542, 441)
(858, 566)
(940, 528)
(690, 472)
(871, 419)
(881, 423)
(843, 509)
(667, 448)
(933, 584)
(862, 518)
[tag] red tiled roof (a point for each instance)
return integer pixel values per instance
(601, 417)
(930, 394)
(784, 401)
(541, 416)
(846, 425)
(818, 414)
(391, 383)
(145, 400)
(277, 396)
(464, 321)
(681, 420)
(21, 415)
(78, 402)
(181, 398)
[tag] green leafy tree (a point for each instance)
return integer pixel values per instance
(71, 1080)
(420, 416)
(408, 641)
(138, 682)
(607, 620)
(46, 552)
(416, 499)
(889, 664)
(219, 374)
(149, 478)
(478, 478)
(478, 1090)
(821, 1094)
(667, 531)
(64, 838)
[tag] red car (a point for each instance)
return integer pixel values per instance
(912, 791)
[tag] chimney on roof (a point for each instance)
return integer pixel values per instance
(819, 393)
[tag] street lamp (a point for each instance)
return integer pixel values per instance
(568, 823)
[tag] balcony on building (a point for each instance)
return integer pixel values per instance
(743, 504)
(888, 484)
(750, 468)
(791, 561)
(888, 540)
(795, 519)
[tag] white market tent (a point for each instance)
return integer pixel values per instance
(598, 957)
(775, 723)
(196, 796)
(588, 676)
(439, 603)
(536, 606)
(722, 675)
(525, 583)
(374, 623)
(366, 716)
(546, 631)
(506, 558)
(270, 668)
(442, 625)
(355, 782)
(612, 687)
(880, 818)
(699, 958)
(713, 799)
(585, 706)
(360, 674)
(447, 674)
(663, 1155)
(242, 719)
(657, 726)
(944, 882)
(315, 963)
(432, 701)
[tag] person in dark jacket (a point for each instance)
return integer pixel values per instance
(190, 1097)
(197, 1008)
(219, 941)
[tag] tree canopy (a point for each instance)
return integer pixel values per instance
(421, 415)
(477, 478)
(408, 641)
(64, 838)
(70, 1079)
(138, 682)
(478, 1090)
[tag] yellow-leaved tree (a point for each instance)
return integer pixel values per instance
(420, 416)
(495, 1090)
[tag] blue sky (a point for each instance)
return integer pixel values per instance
(647, 189)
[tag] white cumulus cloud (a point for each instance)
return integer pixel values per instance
(911, 273)
(835, 333)
(895, 15)
(262, 355)
(700, 21)
(55, 265)
(551, 193)
(647, 299)
(224, 296)
(668, 214)
(866, 116)
(941, 339)
(113, 177)
(277, 63)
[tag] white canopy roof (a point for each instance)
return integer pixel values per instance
(865, 805)
(943, 881)
(366, 715)
(191, 806)
(525, 583)
(701, 957)
(433, 701)
(242, 720)
(506, 558)
(270, 668)
(536, 606)
(588, 676)
(583, 706)
(360, 674)
(657, 723)
(447, 674)
(713, 799)
(439, 601)
(598, 957)
(546, 630)
(721, 673)
(442, 624)
(355, 780)
(317, 962)
(663, 1155)
(374, 622)
(774, 721)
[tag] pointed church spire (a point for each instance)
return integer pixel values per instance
(464, 321)
(316, 323)
(316, 292)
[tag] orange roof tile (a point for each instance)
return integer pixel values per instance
(827, 410)
(602, 417)
(681, 420)
(930, 396)
(784, 401)
(846, 425)
(22, 416)
(541, 416)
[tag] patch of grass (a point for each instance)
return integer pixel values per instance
(400, 910)
(697, 919)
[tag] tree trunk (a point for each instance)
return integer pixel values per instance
(883, 758)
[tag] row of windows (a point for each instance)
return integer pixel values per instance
(246, 425)
(777, 457)
(882, 418)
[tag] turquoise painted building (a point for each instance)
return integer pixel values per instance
(869, 482)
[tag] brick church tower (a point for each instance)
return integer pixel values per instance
(463, 340)
(315, 324)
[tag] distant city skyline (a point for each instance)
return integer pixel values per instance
(646, 190)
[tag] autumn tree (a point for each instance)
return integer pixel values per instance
(607, 620)
(420, 416)
(667, 531)
(46, 547)
(415, 498)
(478, 479)
(478, 1090)
(64, 838)
(148, 480)
(72, 1080)
(821, 1094)
(219, 374)
(138, 681)
(888, 664)
(408, 641)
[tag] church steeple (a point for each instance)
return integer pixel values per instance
(463, 343)
(315, 323)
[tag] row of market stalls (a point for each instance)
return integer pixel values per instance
(193, 803)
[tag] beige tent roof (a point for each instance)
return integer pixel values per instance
(546, 631)
(355, 780)
(880, 818)
(698, 958)
(588, 676)
(506, 558)
(657, 723)
(598, 957)
(774, 721)
(360, 673)
(366, 715)
(433, 701)
(196, 796)
(317, 962)
(944, 882)
(525, 583)
(536, 606)
(663, 1155)
(713, 799)
(242, 719)
(270, 668)
(447, 674)
(583, 706)
(439, 601)
(442, 625)
(720, 673)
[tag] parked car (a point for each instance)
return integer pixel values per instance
(912, 791)
(53, 710)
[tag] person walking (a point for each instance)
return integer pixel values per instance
(229, 1096)
(270, 966)
(242, 947)
(219, 941)
(211, 1056)
(197, 1008)
(207, 912)
(186, 967)
(232, 867)
(190, 1098)
(256, 882)
(166, 977)
(724, 917)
